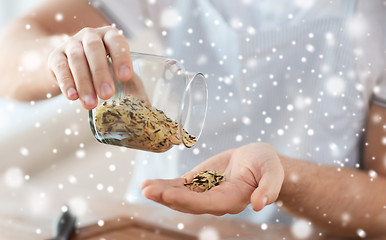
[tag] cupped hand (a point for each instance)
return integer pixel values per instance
(253, 174)
(81, 68)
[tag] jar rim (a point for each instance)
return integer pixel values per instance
(192, 78)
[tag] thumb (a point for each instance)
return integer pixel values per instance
(268, 190)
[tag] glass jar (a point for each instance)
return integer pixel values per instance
(161, 106)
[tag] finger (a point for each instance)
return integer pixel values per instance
(81, 74)
(157, 189)
(119, 51)
(97, 61)
(155, 193)
(177, 182)
(218, 163)
(153, 189)
(268, 190)
(217, 201)
(59, 67)
(173, 194)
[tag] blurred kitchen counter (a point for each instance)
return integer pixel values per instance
(32, 210)
(18, 224)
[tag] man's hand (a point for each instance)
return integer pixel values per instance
(253, 174)
(81, 68)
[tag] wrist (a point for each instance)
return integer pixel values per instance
(291, 177)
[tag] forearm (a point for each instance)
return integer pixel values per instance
(23, 62)
(29, 40)
(337, 200)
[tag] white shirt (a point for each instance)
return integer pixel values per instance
(296, 74)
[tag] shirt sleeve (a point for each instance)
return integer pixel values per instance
(379, 92)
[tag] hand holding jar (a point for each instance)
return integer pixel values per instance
(146, 102)
(80, 67)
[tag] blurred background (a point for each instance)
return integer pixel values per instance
(49, 156)
(10, 9)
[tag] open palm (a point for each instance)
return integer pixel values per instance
(253, 174)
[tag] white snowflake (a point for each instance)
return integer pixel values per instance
(268, 120)
(110, 189)
(24, 151)
(101, 223)
(373, 174)
(361, 233)
(180, 226)
(169, 18)
(80, 153)
(31, 60)
(310, 132)
(108, 154)
(302, 102)
(239, 138)
(78, 206)
(345, 218)
(264, 226)
(112, 167)
(330, 38)
(246, 121)
(149, 23)
(310, 48)
(100, 186)
(72, 179)
(304, 3)
(196, 151)
(296, 140)
(14, 177)
(208, 233)
(67, 131)
(301, 229)
(236, 23)
(59, 17)
(335, 85)
(356, 26)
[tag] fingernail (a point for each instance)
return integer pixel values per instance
(89, 100)
(106, 90)
(71, 92)
(124, 71)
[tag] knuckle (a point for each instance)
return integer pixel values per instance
(65, 81)
(54, 56)
(112, 28)
(75, 52)
(92, 42)
(114, 35)
(60, 66)
(109, 28)
(85, 30)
